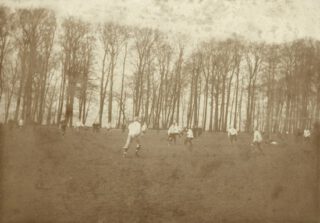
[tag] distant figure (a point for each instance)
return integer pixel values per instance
(232, 134)
(287, 135)
(144, 128)
(257, 139)
(306, 135)
(20, 123)
(134, 134)
(189, 137)
(173, 131)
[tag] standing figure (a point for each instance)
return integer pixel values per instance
(134, 134)
(257, 139)
(20, 123)
(232, 134)
(173, 131)
(189, 137)
(306, 135)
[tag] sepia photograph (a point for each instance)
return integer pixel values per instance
(159, 111)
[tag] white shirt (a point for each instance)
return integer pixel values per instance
(189, 133)
(232, 132)
(134, 129)
(173, 129)
(20, 123)
(257, 137)
(306, 133)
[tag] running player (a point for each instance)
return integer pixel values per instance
(134, 134)
(232, 133)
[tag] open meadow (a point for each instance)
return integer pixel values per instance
(82, 177)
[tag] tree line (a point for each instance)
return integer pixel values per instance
(52, 69)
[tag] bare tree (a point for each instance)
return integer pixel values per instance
(253, 62)
(10, 83)
(5, 29)
(73, 39)
(144, 40)
(35, 41)
(112, 38)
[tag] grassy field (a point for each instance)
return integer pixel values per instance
(83, 177)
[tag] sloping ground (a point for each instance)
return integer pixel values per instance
(82, 177)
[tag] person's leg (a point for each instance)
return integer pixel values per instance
(138, 147)
(174, 138)
(169, 138)
(126, 146)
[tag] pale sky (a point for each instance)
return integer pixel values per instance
(257, 20)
